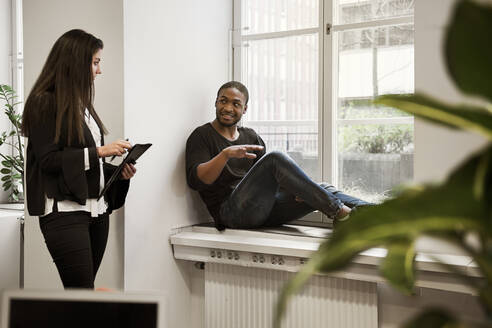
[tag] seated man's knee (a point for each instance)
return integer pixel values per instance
(276, 155)
(328, 187)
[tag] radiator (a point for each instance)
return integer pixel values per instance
(242, 297)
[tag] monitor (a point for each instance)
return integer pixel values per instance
(81, 308)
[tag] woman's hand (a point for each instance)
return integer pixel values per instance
(128, 171)
(116, 148)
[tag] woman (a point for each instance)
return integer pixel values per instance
(65, 167)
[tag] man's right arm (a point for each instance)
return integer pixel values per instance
(209, 171)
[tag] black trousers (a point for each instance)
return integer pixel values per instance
(76, 242)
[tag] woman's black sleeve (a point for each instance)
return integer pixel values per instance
(66, 163)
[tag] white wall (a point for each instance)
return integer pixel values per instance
(44, 22)
(9, 249)
(437, 150)
(175, 60)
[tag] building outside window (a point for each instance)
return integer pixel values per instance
(313, 68)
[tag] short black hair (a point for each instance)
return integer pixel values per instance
(236, 85)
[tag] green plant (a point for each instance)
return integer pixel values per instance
(454, 210)
(12, 162)
(376, 139)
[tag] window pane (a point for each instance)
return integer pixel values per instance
(372, 159)
(265, 16)
(357, 11)
(282, 77)
(373, 62)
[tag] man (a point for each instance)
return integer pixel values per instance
(243, 186)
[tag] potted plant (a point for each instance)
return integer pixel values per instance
(12, 172)
(455, 210)
(13, 161)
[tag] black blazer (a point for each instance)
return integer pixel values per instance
(58, 171)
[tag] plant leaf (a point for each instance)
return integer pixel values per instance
(484, 170)
(6, 164)
(6, 185)
(467, 55)
(398, 266)
(435, 209)
(463, 117)
(5, 171)
(450, 207)
(433, 318)
(6, 88)
(486, 295)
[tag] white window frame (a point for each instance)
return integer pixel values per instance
(17, 55)
(328, 82)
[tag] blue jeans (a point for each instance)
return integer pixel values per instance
(266, 195)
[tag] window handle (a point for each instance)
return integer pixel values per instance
(328, 28)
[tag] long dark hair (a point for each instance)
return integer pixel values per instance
(67, 76)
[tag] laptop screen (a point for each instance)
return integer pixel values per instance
(95, 309)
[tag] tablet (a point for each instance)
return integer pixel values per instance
(131, 158)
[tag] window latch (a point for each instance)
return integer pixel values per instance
(235, 37)
(328, 28)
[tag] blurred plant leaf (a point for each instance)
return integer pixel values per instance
(434, 318)
(463, 117)
(398, 266)
(481, 178)
(486, 296)
(467, 52)
(448, 207)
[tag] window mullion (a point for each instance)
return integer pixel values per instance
(373, 24)
(379, 121)
(235, 41)
(327, 116)
(17, 55)
(327, 132)
(281, 34)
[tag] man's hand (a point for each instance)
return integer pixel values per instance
(209, 172)
(241, 151)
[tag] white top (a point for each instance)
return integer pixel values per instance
(93, 206)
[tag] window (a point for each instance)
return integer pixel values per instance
(12, 49)
(279, 55)
(313, 68)
(372, 45)
(17, 51)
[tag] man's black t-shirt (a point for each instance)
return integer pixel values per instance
(204, 144)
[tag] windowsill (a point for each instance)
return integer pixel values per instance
(288, 247)
(11, 209)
